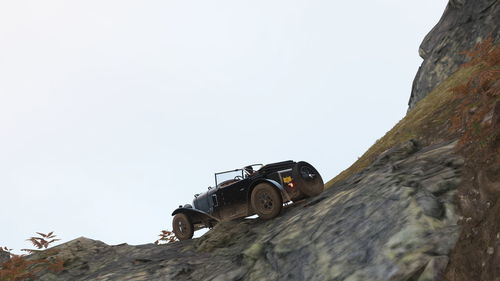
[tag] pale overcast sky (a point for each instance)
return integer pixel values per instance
(113, 113)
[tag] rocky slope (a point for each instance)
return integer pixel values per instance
(4, 256)
(463, 24)
(393, 221)
(421, 204)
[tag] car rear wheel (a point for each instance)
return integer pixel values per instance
(182, 227)
(266, 201)
(307, 179)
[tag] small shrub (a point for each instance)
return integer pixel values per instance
(18, 267)
(166, 236)
(41, 242)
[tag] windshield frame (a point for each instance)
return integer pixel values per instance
(226, 172)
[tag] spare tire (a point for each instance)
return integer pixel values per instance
(307, 179)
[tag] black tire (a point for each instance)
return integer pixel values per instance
(266, 201)
(307, 179)
(182, 227)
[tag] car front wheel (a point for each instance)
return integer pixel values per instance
(182, 227)
(266, 201)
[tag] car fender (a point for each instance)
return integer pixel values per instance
(275, 184)
(194, 213)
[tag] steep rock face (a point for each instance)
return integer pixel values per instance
(393, 221)
(463, 24)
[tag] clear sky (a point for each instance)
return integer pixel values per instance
(113, 113)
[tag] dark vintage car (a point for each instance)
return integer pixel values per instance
(254, 189)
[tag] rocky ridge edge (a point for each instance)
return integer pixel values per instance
(393, 221)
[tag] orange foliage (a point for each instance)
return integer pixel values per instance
(478, 95)
(18, 267)
(41, 242)
(166, 237)
(484, 52)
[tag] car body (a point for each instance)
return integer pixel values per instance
(254, 189)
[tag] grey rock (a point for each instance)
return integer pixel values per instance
(4, 256)
(435, 269)
(396, 153)
(463, 24)
(490, 251)
(370, 227)
(236, 274)
(431, 206)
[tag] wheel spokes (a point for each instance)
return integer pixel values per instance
(265, 201)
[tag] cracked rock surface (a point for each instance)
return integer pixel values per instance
(463, 24)
(393, 221)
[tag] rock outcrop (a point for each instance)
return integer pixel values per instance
(393, 221)
(4, 256)
(420, 211)
(463, 24)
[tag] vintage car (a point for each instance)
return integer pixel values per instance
(254, 189)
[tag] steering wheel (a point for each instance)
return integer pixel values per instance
(238, 178)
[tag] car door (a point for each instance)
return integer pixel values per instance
(233, 200)
(235, 193)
